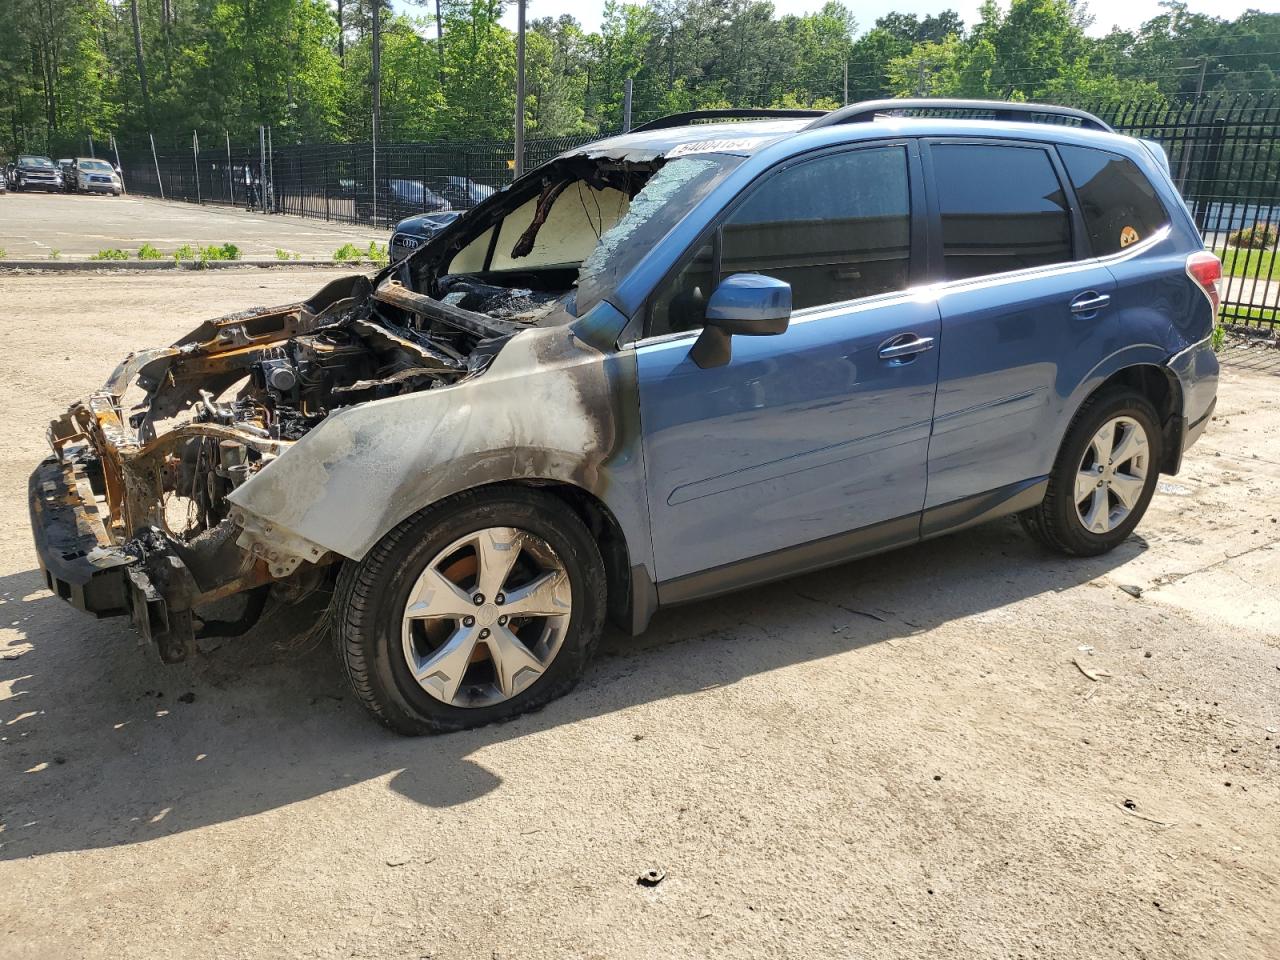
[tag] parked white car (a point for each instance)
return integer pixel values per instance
(97, 176)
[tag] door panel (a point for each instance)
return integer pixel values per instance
(1012, 352)
(1028, 326)
(799, 437)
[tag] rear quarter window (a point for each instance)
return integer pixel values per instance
(1118, 203)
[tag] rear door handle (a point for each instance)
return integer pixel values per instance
(1090, 302)
(904, 346)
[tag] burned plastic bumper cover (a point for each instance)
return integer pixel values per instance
(76, 556)
(145, 579)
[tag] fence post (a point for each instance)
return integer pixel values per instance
(231, 180)
(115, 148)
(626, 101)
(271, 173)
(156, 161)
(262, 164)
(195, 163)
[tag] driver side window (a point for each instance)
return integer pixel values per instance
(836, 228)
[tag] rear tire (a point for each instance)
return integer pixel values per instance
(390, 630)
(1104, 476)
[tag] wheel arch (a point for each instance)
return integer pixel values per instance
(1161, 386)
(630, 595)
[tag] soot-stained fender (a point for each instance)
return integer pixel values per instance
(550, 407)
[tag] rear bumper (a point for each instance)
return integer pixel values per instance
(1197, 371)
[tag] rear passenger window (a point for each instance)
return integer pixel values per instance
(836, 228)
(1119, 205)
(1002, 209)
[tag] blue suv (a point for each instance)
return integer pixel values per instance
(670, 364)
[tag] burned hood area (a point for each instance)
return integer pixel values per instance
(133, 512)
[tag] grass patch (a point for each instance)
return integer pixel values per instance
(226, 251)
(55, 254)
(148, 252)
(1250, 316)
(110, 253)
(1239, 262)
(282, 254)
(3, 253)
(185, 252)
(375, 253)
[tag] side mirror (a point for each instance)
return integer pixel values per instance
(744, 305)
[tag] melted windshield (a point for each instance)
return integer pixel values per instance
(663, 202)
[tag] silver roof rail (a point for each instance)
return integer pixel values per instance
(732, 113)
(999, 109)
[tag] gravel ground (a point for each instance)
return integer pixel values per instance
(79, 225)
(896, 758)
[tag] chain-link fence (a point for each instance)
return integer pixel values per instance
(1223, 153)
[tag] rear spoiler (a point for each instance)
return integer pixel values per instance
(1156, 149)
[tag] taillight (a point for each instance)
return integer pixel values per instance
(1206, 270)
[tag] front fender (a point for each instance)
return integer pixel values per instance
(549, 407)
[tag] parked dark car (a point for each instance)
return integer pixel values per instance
(461, 192)
(397, 199)
(36, 173)
(412, 232)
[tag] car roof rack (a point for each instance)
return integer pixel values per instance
(999, 109)
(684, 119)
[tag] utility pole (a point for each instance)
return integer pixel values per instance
(377, 97)
(846, 82)
(91, 153)
(920, 85)
(1204, 65)
(626, 106)
(519, 164)
(439, 44)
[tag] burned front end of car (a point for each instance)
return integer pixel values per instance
(132, 513)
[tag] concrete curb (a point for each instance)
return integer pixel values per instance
(64, 266)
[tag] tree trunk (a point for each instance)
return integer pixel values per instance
(142, 68)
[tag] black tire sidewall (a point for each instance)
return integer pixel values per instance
(408, 708)
(1070, 531)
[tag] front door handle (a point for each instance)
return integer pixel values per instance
(1090, 302)
(904, 346)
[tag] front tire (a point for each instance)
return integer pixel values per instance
(1104, 476)
(474, 610)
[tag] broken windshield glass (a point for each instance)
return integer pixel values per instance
(653, 212)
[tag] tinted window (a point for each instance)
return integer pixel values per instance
(1002, 209)
(1119, 205)
(835, 228)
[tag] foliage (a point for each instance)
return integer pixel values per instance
(3, 253)
(55, 254)
(1259, 236)
(71, 69)
(375, 253)
(110, 253)
(185, 252)
(148, 252)
(283, 254)
(226, 251)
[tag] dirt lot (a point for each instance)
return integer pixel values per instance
(79, 225)
(896, 758)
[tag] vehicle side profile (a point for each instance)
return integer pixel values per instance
(670, 364)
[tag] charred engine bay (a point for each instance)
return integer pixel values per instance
(267, 391)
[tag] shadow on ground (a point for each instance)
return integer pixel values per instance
(104, 746)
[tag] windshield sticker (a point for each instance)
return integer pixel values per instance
(712, 146)
(1128, 236)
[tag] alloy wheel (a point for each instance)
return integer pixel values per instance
(486, 617)
(1112, 474)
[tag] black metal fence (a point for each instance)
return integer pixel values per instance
(1224, 156)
